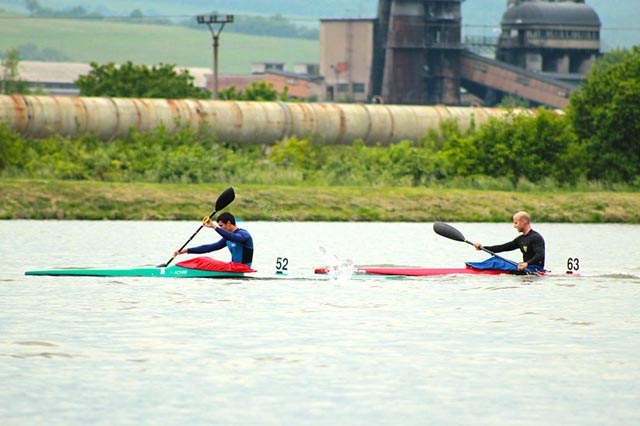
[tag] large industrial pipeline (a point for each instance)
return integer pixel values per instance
(231, 121)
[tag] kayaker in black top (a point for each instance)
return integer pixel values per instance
(530, 243)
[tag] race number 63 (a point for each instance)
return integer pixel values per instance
(573, 264)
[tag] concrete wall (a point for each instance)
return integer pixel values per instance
(346, 54)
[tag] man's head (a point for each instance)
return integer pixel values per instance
(522, 221)
(226, 217)
(227, 221)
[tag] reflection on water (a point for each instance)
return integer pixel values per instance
(452, 350)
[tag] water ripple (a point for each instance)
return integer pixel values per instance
(48, 355)
(35, 343)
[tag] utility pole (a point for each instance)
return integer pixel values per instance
(215, 33)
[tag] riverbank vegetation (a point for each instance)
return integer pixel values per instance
(593, 148)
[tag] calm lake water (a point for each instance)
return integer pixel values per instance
(453, 350)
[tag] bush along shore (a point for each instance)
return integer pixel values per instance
(94, 200)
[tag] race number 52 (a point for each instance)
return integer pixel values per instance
(281, 264)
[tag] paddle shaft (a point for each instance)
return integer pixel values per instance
(227, 196)
(493, 254)
(190, 238)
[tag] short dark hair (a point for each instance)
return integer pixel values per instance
(226, 217)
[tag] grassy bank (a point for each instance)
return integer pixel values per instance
(55, 199)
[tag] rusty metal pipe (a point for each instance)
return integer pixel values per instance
(232, 121)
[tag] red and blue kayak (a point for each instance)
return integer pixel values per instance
(419, 272)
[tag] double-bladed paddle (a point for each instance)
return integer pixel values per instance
(452, 233)
(223, 201)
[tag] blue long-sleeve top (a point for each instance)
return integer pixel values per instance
(239, 242)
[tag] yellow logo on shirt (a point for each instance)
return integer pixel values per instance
(524, 248)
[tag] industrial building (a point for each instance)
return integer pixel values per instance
(346, 51)
(419, 58)
(559, 38)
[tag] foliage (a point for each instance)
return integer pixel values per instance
(11, 82)
(518, 147)
(186, 156)
(604, 113)
(12, 150)
(512, 101)
(257, 91)
(139, 81)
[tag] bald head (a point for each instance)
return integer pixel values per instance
(523, 216)
(522, 222)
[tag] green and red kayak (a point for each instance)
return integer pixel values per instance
(168, 272)
(200, 267)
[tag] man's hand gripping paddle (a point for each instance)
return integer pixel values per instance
(223, 201)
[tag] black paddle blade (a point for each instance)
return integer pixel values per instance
(225, 199)
(448, 231)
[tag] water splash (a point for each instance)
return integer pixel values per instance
(337, 268)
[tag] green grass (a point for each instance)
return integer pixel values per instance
(100, 41)
(56, 199)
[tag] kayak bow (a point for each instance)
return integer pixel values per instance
(199, 267)
(168, 272)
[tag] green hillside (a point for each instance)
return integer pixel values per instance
(100, 41)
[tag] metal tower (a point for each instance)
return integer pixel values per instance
(417, 53)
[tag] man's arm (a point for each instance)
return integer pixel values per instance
(206, 248)
(511, 245)
(240, 236)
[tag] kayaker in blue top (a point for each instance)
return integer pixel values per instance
(530, 243)
(238, 240)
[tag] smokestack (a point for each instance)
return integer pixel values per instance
(381, 32)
